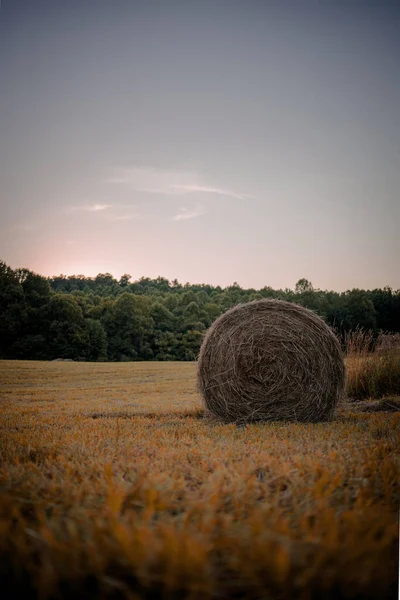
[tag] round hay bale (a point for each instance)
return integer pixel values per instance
(270, 360)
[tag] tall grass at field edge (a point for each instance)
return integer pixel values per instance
(373, 368)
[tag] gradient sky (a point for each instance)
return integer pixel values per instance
(208, 141)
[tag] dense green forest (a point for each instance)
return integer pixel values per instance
(102, 318)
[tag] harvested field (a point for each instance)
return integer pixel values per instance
(113, 485)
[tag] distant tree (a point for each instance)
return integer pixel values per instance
(105, 279)
(99, 318)
(190, 345)
(171, 301)
(303, 285)
(36, 288)
(97, 338)
(163, 319)
(129, 327)
(13, 309)
(255, 296)
(60, 283)
(175, 285)
(31, 340)
(67, 335)
(30, 346)
(268, 292)
(355, 310)
(213, 311)
(106, 285)
(186, 298)
(165, 345)
(124, 280)
(387, 306)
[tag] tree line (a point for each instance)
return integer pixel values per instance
(102, 318)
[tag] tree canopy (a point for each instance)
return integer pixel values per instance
(101, 318)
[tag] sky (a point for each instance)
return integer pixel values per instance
(214, 142)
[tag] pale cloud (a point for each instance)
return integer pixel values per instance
(91, 207)
(109, 212)
(208, 190)
(149, 179)
(125, 217)
(168, 182)
(189, 213)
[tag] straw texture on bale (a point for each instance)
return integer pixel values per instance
(270, 360)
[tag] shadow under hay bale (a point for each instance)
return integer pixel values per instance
(270, 360)
(372, 406)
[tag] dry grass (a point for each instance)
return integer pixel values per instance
(113, 486)
(373, 370)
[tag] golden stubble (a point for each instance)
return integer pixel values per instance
(113, 483)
